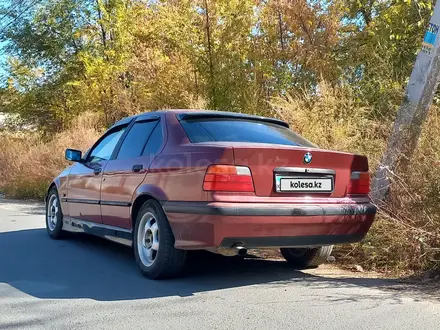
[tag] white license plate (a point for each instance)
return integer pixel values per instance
(305, 184)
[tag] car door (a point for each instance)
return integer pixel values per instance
(123, 174)
(84, 184)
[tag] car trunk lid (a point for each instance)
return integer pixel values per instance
(273, 166)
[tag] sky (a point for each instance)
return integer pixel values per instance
(2, 44)
(2, 61)
(5, 22)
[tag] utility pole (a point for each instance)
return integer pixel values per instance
(419, 93)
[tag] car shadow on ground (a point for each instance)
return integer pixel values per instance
(87, 267)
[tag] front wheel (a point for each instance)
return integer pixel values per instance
(307, 257)
(153, 245)
(54, 216)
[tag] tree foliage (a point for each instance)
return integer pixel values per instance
(118, 57)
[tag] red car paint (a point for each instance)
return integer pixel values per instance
(109, 192)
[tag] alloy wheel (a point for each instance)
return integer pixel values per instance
(52, 212)
(148, 239)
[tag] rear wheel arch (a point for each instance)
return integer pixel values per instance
(144, 193)
(139, 201)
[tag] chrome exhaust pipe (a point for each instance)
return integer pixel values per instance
(231, 251)
(241, 251)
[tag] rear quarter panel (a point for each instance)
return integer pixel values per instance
(180, 173)
(177, 173)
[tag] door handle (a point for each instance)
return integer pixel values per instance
(97, 171)
(137, 168)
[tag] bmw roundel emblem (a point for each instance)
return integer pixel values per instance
(307, 158)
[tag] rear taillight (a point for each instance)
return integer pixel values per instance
(228, 178)
(359, 183)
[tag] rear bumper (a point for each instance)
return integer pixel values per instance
(275, 210)
(211, 225)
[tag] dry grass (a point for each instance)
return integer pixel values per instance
(28, 164)
(334, 119)
(406, 234)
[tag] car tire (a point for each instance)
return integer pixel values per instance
(307, 257)
(153, 243)
(54, 215)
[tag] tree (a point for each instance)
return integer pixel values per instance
(297, 39)
(380, 44)
(43, 46)
(420, 92)
(65, 57)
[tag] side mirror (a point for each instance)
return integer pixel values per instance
(73, 155)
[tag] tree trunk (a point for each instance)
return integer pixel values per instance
(210, 59)
(407, 127)
(280, 26)
(101, 25)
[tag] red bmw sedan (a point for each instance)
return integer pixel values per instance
(168, 182)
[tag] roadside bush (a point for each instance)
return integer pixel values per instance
(406, 234)
(28, 163)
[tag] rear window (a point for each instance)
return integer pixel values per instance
(239, 130)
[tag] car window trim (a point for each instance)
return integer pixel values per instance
(128, 129)
(147, 118)
(107, 133)
(228, 115)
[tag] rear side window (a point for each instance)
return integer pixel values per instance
(154, 142)
(136, 139)
(234, 130)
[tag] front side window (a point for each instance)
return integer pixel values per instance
(134, 142)
(104, 149)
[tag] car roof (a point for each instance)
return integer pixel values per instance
(187, 114)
